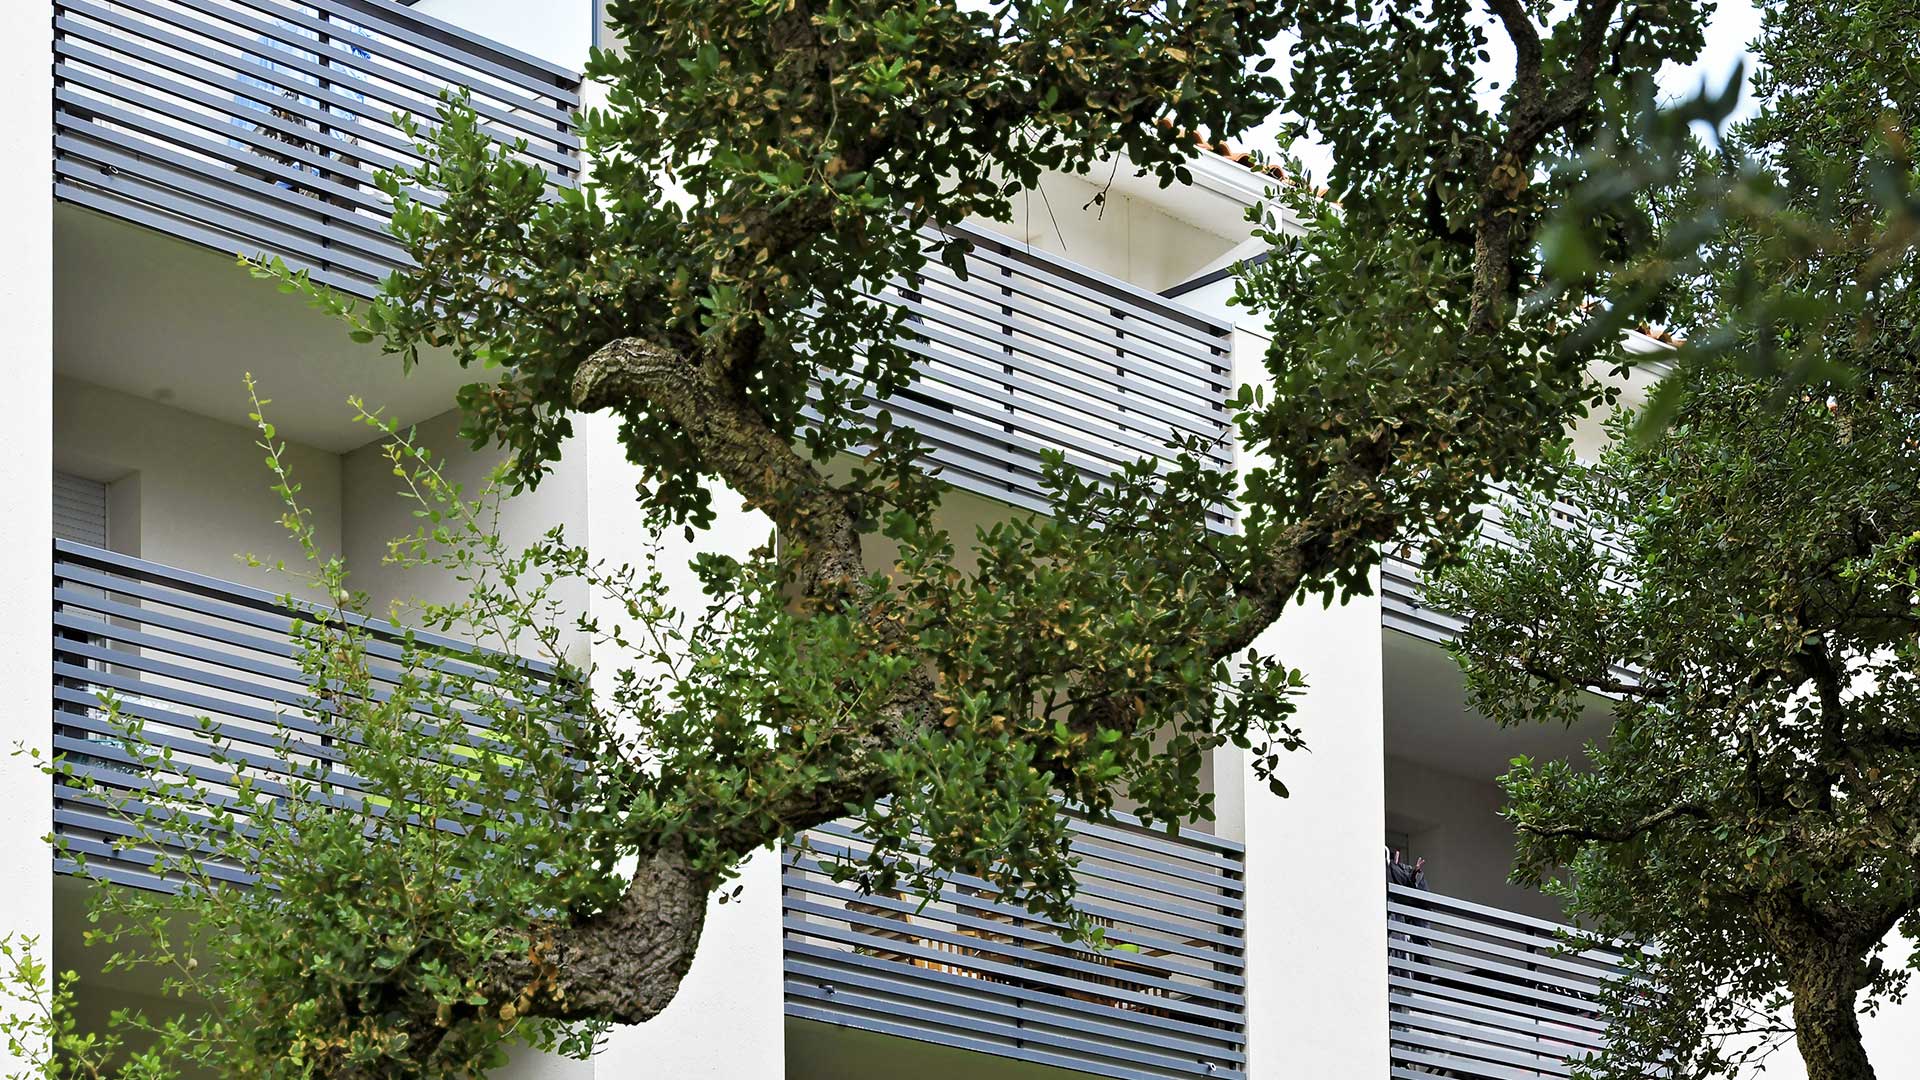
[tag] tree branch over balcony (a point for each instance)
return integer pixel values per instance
(1620, 834)
(728, 322)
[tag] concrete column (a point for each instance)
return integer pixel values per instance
(1316, 904)
(26, 469)
(727, 1023)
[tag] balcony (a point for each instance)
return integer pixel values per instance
(194, 660)
(1478, 993)
(1402, 575)
(1030, 352)
(964, 970)
(257, 125)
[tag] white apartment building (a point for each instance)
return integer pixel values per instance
(150, 140)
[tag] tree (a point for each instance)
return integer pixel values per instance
(815, 145)
(1746, 595)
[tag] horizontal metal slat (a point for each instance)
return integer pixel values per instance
(272, 211)
(1139, 424)
(71, 559)
(1182, 321)
(1015, 1038)
(434, 38)
(808, 960)
(1225, 941)
(186, 200)
(352, 122)
(1087, 339)
(1218, 907)
(1225, 1012)
(972, 908)
(342, 65)
(1479, 992)
(1028, 947)
(1093, 329)
(1493, 1010)
(1190, 845)
(1483, 950)
(1511, 1032)
(826, 982)
(987, 954)
(173, 225)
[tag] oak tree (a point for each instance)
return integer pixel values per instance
(760, 170)
(1744, 587)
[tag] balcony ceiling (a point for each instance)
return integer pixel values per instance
(1428, 720)
(163, 319)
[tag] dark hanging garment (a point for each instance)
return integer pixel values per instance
(1412, 875)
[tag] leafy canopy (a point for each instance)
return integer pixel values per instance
(1747, 594)
(760, 171)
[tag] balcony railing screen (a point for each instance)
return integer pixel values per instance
(1482, 994)
(210, 672)
(965, 970)
(255, 126)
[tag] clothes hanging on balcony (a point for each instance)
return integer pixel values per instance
(1409, 875)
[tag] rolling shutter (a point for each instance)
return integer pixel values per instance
(79, 509)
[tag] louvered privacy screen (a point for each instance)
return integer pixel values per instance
(255, 126)
(1483, 994)
(968, 971)
(174, 647)
(1033, 353)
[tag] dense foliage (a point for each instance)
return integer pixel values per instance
(1748, 598)
(760, 170)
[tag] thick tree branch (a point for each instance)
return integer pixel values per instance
(1533, 112)
(623, 964)
(734, 441)
(1619, 835)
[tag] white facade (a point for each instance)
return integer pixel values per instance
(130, 346)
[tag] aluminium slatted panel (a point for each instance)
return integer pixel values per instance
(80, 515)
(194, 659)
(1029, 353)
(255, 126)
(970, 971)
(1483, 994)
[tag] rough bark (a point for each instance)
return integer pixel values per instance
(1825, 956)
(1534, 110)
(815, 521)
(1826, 1026)
(623, 964)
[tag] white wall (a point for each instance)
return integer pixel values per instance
(26, 469)
(727, 1020)
(375, 511)
(1316, 901)
(557, 31)
(200, 487)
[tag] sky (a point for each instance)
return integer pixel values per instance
(1735, 23)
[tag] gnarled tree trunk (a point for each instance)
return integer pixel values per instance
(625, 964)
(1825, 1023)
